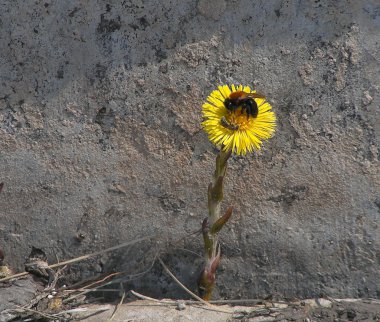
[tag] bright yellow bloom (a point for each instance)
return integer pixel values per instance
(237, 130)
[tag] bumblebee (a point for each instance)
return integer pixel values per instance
(245, 101)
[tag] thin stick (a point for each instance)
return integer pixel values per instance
(81, 258)
(190, 292)
(171, 303)
(101, 251)
(254, 301)
(144, 297)
(181, 285)
(95, 289)
(85, 291)
(117, 307)
(23, 309)
(88, 290)
(83, 309)
(189, 251)
(130, 277)
(103, 279)
(56, 277)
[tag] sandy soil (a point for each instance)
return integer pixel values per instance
(26, 298)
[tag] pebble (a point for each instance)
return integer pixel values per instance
(367, 98)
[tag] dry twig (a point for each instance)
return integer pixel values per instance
(81, 258)
(117, 307)
(210, 306)
(144, 297)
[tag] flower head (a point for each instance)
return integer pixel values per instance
(238, 119)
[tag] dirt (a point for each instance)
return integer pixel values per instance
(308, 310)
(33, 297)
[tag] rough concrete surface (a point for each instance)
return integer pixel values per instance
(101, 140)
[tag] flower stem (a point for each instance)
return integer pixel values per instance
(212, 226)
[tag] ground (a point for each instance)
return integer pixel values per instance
(25, 299)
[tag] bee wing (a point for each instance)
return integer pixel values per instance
(259, 96)
(256, 95)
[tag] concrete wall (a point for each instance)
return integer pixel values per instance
(101, 139)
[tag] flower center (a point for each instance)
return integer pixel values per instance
(239, 119)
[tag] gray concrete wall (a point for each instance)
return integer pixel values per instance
(100, 136)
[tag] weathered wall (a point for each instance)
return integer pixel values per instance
(100, 136)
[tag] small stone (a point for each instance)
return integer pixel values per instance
(163, 68)
(374, 151)
(181, 306)
(318, 53)
(5, 271)
(214, 42)
(140, 82)
(354, 29)
(314, 105)
(367, 98)
(305, 73)
(366, 164)
(351, 314)
(285, 51)
(321, 302)
(280, 305)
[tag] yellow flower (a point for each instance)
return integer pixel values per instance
(237, 129)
